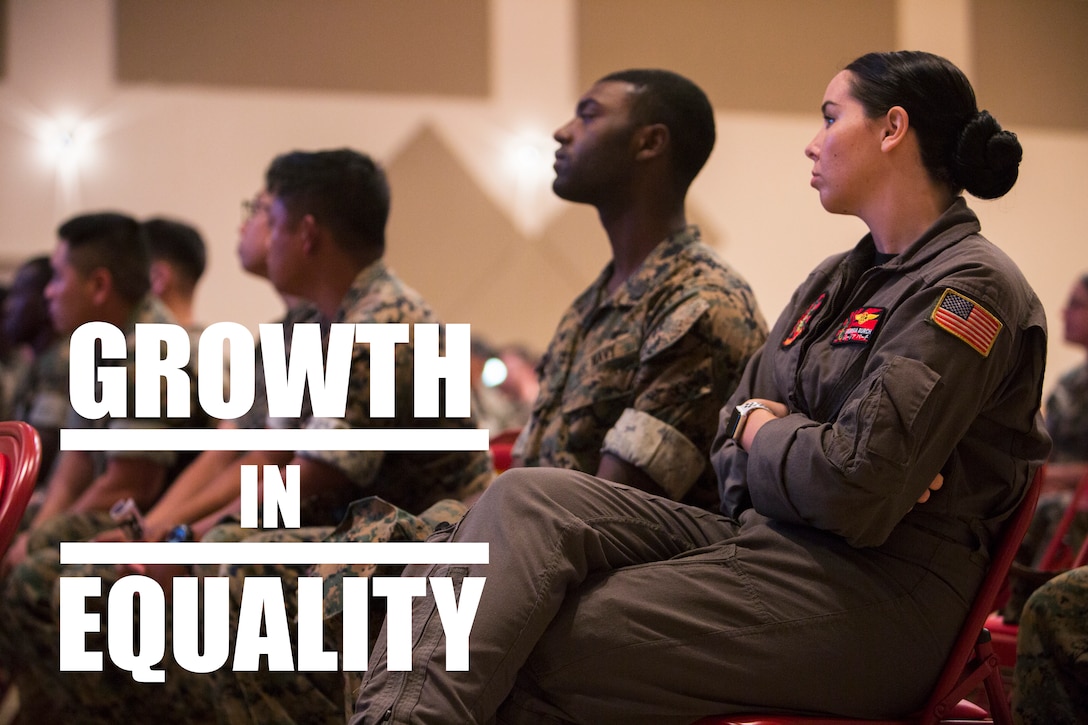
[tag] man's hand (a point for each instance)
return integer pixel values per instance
(17, 552)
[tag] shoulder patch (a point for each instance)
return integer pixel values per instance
(966, 319)
(802, 321)
(859, 326)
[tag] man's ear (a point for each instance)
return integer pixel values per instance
(100, 282)
(651, 141)
(895, 126)
(162, 276)
(310, 232)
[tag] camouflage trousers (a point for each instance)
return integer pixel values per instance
(30, 632)
(1051, 676)
(30, 639)
(288, 698)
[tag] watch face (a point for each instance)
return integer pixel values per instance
(734, 421)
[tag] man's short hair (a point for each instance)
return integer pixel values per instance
(344, 190)
(114, 242)
(178, 244)
(669, 98)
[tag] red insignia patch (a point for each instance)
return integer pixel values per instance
(967, 320)
(859, 326)
(802, 321)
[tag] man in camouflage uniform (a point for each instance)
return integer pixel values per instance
(643, 360)
(1051, 675)
(398, 484)
(100, 273)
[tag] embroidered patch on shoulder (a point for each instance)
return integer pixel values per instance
(802, 321)
(859, 326)
(967, 320)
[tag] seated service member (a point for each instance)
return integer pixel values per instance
(100, 273)
(40, 389)
(911, 361)
(641, 362)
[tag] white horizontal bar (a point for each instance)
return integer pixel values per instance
(283, 552)
(265, 439)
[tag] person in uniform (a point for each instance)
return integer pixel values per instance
(641, 362)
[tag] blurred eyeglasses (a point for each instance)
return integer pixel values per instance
(250, 208)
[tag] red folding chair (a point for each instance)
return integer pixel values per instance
(971, 663)
(502, 446)
(20, 458)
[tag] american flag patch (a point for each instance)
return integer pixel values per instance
(967, 320)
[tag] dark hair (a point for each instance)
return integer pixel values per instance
(343, 190)
(179, 244)
(673, 100)
(38, 269)
(114, 242)
(961, 146)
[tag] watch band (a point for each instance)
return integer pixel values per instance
(739, 418)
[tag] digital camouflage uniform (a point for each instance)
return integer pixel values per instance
(642, 373)
(41, 399)
(318, 697)
(28, 635)
(394, 484)
(1051, 676)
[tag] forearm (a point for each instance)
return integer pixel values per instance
(198, 490)
(138, 479)
(620, 471)
(73, 474)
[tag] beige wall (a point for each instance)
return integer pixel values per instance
(181, 113)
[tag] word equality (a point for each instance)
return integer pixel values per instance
(162, 353)
(137, 644)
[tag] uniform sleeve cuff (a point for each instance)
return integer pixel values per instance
(665, 454)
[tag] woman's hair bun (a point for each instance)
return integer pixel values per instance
(987, 159)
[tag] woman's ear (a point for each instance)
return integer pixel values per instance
(896, 124)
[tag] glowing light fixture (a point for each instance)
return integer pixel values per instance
(494, 372)
(65, 142)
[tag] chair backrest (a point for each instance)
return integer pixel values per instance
(961, 673)
(502, 445)
(20, 458)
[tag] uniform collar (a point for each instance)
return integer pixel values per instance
(361, 285)
(644, 279)
(957, 222)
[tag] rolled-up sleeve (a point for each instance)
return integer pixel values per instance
(660, 450)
